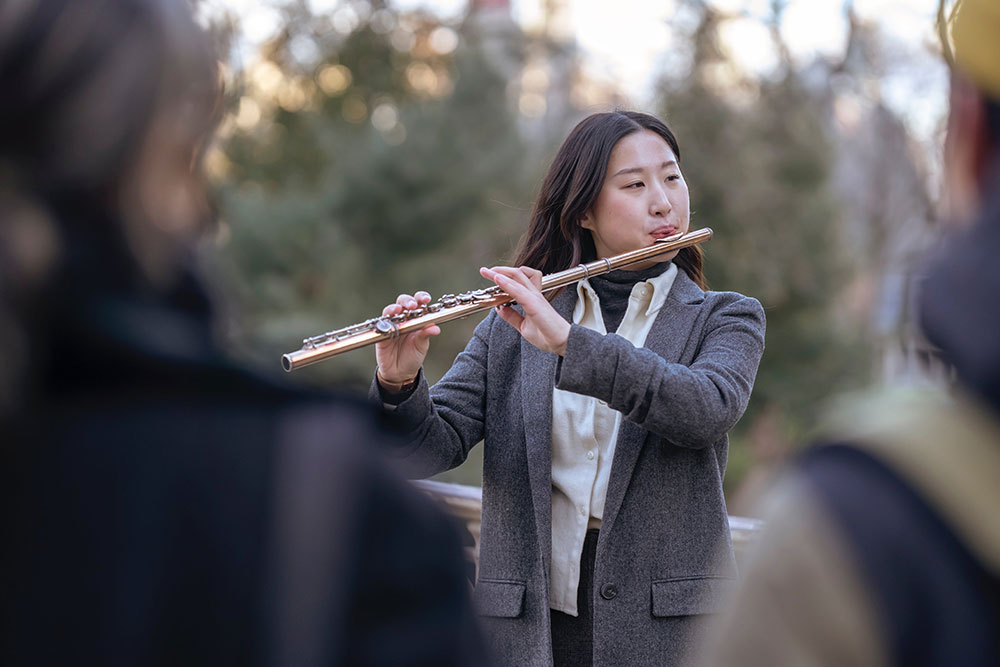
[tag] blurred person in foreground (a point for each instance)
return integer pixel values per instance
(883, 546)
(160, 505)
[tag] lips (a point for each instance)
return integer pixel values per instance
(664, 232)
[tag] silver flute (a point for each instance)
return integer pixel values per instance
(455, 306)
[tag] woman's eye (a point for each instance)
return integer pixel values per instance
(674, 177)
(637, 184)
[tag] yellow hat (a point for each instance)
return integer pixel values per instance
(975, 37)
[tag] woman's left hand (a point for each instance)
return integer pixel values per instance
(541, 325)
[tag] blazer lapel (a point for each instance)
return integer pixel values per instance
(538, 370)
(668, 337)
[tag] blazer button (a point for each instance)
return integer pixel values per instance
(609, 591)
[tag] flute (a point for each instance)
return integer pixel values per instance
(455, 306)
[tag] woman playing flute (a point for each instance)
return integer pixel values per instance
(603, 412)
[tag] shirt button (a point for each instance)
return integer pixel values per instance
(583, 510)
(609, 591)
(590, 456)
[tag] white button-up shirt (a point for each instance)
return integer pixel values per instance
(584, 431)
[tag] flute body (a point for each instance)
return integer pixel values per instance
(451, 306)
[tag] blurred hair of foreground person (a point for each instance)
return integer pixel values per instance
(883, 545)
(159, 505)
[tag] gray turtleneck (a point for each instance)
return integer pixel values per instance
(614, 288)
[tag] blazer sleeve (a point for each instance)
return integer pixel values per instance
(688, 405)
(445, 422)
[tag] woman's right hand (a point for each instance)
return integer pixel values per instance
(399, 359)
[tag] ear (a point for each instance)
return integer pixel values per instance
(587, 221)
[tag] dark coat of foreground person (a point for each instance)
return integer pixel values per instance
(159, 505)
(162, 507)
(882, 545)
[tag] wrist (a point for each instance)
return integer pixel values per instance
(393, 386)
(564, 340)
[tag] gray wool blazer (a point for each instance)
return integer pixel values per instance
(664, 556)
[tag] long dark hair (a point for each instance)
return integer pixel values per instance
(555, 240)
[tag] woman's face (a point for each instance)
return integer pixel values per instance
(644, 198)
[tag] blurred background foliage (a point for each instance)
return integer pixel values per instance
(372, 150)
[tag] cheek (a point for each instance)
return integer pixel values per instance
(616, 212)
(622, 208)
(684, 202)
(605, 202)
(602, 213)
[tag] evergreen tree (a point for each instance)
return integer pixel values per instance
(758, 160)
(400, 170)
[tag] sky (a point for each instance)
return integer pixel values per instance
(628, 41)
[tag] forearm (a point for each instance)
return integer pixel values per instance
(437, 438)
(688, 405)
(444, 422)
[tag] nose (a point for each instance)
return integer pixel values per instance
(659, 203)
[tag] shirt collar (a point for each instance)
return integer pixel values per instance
(661, 288)
(660, 284)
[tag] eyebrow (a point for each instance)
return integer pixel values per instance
(634, 170)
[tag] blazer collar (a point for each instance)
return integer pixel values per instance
(685, 290)
(538, 371)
